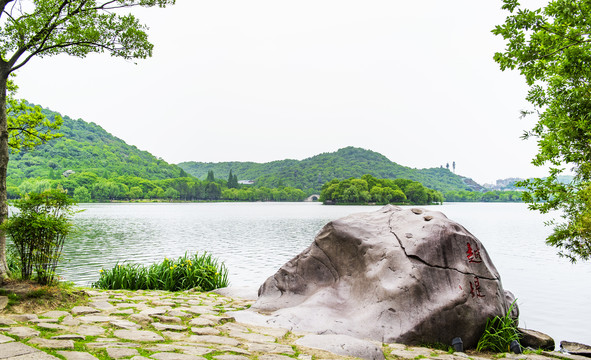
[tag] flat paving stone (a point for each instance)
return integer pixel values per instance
(39, 355)
(6, 321)
(98, 345)
(122, 312)
(24, 317)
(274, 357)
(161, 327)
(212, 339)
(102, 305)
(200, 321)
(69, 337)
(205, 331)
(88, 319)
(154, 311)
(175, 356)
(186, 349)
(11, 349)
(138, 335)
(169, 319)
(51, 326)
(23, 332)
(84, 310)
(5, 339)
(252, 337)
(55, 314)
(271, 348)
(76, 355)
(178, 313)
(125, 324)
(52, 344)
(118, 353)
(90, 330)
(230, 357)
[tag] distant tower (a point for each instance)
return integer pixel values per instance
(447, 166)
(454, 166)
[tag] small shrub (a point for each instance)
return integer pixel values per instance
(38, 232)
(499, 333)
(199, 271)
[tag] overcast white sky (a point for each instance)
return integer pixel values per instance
(253, 80)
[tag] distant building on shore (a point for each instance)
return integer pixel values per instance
(246, 182)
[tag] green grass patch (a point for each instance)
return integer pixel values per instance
(203, 272)
(499, 333)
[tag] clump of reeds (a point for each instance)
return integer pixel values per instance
(203, 272)
(499, 333)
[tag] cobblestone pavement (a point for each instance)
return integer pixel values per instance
(157, 325)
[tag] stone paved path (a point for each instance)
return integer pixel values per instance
(157, 325)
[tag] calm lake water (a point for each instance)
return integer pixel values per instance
(255, 239)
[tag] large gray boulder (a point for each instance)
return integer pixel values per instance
(395, 275)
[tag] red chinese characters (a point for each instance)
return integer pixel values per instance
(475, 288)
(473, 255)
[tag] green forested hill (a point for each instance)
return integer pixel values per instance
(310, 174)
(87, 147)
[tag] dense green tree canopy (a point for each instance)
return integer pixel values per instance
(551, 48)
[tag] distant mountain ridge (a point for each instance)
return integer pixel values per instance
(87, 147)
(311, 173)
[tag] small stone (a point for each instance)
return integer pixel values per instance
(24, 317)
(163, 303)
(233, 349)
(90, 330)
(140, 358)
(14, 349)
(175, 356)
(274, 357)
(141, 318)
(218, 319)
(205, 331)
(211, 339)
(84, 310)
(201, 310)
(98, 345)
(52, 344)
(23, 332)
(94, 319)
(76, 355)
(55, 314)
(231, 357)
(535, 339)
(576, 348)
(138, 335)
(70, 321)
(69, 337)
(172, 335)
(3, 302)
(118, 353)
(130, 305)
(275, 332)
(4, 339)
(51, 326)
(122, 312)
(201, 321)
(252, 337)
(154, 311)
(6, 321)
(169, 319)
(125, 324)
(271, 348)
(44, 320)
(161, 327)
(178, 313)
(102, 305)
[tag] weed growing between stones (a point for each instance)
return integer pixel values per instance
(203, 272)
(499, 333)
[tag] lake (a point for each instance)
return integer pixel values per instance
(255, 239)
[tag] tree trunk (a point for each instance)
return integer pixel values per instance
(3, 169)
